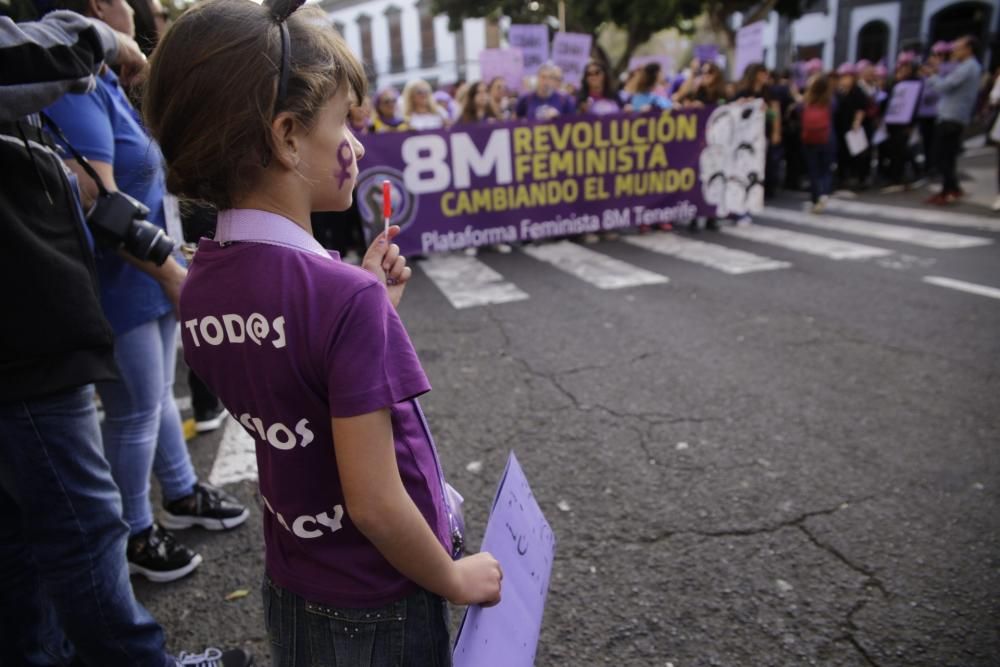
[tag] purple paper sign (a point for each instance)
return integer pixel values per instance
(571, 51)
(475, 185)
(518, 536)
(533, 40)
(706, 53)
(666, 63)
(903, 102)
(507, 63)
(749, 47)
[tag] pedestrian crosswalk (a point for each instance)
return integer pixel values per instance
(468, 282)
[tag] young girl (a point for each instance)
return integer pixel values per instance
(250, 107)
(817, 144)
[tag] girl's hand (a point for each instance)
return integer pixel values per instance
(476, 580)
(384, 261)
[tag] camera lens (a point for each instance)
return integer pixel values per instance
(147, 241)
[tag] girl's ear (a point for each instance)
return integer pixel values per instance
(284, 139)
(95, 9)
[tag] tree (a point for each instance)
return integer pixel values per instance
(639, 20)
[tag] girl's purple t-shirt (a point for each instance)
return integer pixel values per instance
(287, 339)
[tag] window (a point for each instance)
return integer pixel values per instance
(809, 51)
(873, 41)
(367, 50)
(393, 16)
(460, 52)
(428, 50)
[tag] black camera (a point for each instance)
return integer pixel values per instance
(118, 220)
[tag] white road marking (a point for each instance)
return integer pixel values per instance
(962, 286)
(592, 267)
(924, 216)
(236, 459)
(728, 260)
(466, 282)
(807, 243)
(921, 237)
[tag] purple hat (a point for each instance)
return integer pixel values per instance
(863, 64)
(847, 68)
(881, 71)
(906, 57)
(941, 47)
(814, 65)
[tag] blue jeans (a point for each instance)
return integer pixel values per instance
(819, 165)
(62, 543)
(142, 426)
(410, 633)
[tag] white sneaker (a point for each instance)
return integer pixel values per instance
(744, 221)
(503, 248)
(470, 252)
(996, 204)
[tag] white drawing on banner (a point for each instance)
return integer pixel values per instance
(732, 162)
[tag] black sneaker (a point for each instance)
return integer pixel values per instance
(205, 422)
(213, 657)
(207, 507)
(155, 554)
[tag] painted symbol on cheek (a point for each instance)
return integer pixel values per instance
(345, 156)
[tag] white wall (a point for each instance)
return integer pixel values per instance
(815, 28)
(446, 68)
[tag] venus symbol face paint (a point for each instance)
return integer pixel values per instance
(345, 157)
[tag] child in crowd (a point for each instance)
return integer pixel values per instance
(817, 147)
(361, 543)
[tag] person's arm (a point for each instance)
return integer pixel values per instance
(379, 505)
(42, 60)
(170, 275)
(954, 80)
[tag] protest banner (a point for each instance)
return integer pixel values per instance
(903, 102)
(749, 47)
(506, 63)
(533, 41)
(476, 185)
(520, 538)
(571, 51)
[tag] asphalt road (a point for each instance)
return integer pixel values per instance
(795, 466)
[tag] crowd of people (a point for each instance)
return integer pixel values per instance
(811, 112)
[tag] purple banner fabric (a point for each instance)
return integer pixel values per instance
(477, 185)
(518, 536)
(571, 51)
(903, 102)
(533, 41)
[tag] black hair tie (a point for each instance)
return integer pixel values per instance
(280, 11)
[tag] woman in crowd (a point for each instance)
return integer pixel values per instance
(817, 144)
(477, 107)
(597, 95)
(499, 99)
(646, 96)
(360, 117)
(385, 118)
(142, 429)
(849, 115)
(994, 130)
(420, 110)
(709, 87)
(897, 144)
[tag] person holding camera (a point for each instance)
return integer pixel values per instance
(142, 429)
(64, 587)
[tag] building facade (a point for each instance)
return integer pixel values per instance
(400, 40)
(838, 31)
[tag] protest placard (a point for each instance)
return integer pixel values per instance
(571, 51)
(506, 63)
(520, 538)
(903, 102)
(706, 53)
(749, 47)
(533, 41)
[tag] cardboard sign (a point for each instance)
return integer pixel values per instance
(903, 102)
(706, 53)
(749, 47)
(571, 51)
(518, 536)
(533, 41)
(506, 63)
